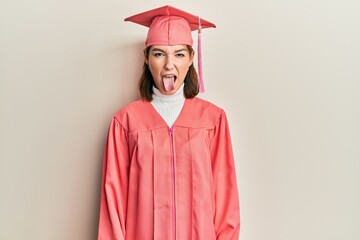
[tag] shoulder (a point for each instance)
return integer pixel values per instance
(201, 113)
(201, 104)
(132, 111)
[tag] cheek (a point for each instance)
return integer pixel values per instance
(155, 65)
(184, 69)
(154, 69)
(185, 65)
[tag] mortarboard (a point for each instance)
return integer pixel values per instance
(171, 26)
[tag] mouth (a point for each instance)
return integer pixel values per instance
(169, 81)
(169, 77)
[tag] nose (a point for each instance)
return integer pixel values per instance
(169, 64)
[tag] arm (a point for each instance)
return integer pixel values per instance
(227, 211)
(114, 185)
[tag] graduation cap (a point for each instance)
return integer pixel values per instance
(171, 26)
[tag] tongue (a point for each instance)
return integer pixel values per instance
(169, 83)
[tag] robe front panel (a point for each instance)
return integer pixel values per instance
(170, 186)
(193, 184)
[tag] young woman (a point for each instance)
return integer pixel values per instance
(168, 170)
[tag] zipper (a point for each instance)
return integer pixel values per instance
(173, 174)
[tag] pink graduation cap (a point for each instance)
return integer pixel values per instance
(171, 26)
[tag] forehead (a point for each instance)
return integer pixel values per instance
(167, 48)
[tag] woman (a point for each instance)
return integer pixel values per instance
(168, 169)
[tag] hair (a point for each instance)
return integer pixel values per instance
(146, 83)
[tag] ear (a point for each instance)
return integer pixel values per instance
(191, 58)
(146, 60)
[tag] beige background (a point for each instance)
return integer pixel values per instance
(286, 72)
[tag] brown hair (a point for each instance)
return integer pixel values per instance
(146, 83)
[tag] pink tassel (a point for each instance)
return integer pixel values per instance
(201, 80)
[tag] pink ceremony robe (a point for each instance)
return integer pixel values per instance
(166, 183)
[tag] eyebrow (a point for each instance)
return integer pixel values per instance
(180, 50)
(160, 50)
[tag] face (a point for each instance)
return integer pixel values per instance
(168, 66)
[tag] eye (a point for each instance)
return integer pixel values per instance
(158, 54)
(180, 55)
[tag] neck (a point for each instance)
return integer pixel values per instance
(169, 106)
(178, 96)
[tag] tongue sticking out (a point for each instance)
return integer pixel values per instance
(169, 83)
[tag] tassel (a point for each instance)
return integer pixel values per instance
(201, 80)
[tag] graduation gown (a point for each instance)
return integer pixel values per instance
(164, 183)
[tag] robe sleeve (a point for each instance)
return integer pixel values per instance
(227, 211)
(114, 187)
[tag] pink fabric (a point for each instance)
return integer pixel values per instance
(169, 31)
(163, 187)
(169, 25)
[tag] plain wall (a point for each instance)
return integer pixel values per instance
(286, 72)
